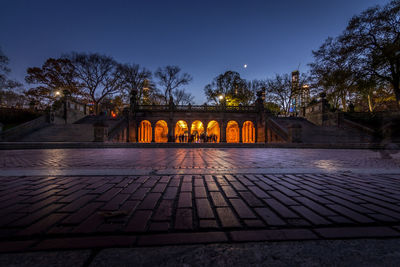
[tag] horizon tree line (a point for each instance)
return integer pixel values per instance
(359, 68)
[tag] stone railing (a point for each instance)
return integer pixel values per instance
(25, 128)
(71, 111)
(276, 128)
(120, 126)
(196, 108)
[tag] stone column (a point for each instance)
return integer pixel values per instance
(295, 133)
(100, 132)
(256, 133)
(153, 133)
(222, 132)
(240, 133)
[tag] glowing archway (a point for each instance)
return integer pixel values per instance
(196, 131)
(161, 132)
(213, 132)
(144, 132)
(232, 132)
(181, 132)
(248, 132)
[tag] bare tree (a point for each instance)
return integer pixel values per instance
(333, 72)
(170, 79)
(181, 97)
(373, 38)
(281, 91)
(5, 82)
(55, 75)
(98, 75)
(137, 79)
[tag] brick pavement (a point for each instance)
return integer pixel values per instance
(56, 212)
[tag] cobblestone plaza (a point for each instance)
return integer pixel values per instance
(93, 198)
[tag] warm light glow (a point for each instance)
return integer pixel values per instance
(213, 130)
(248, 132)
(161, 132)
(145, 132)
(221, 97)
(181, 132)
(232, 132)
(113, 114)
(57, 93)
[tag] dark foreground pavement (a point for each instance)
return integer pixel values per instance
(91, 199)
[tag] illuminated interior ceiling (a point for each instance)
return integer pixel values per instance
(213, 129)
(212, 124)
(161, 132)
(182, 124)
(197, 126)
(232, 132)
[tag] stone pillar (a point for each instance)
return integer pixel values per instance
(100, 132)
(132, 132)
(222, 132)
(295, 133)
(149, 132)
(240, 133)
(255, 133)
(171, 132)
(153, 133)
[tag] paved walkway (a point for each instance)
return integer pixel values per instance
(146, 197)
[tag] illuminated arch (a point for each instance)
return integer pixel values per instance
(161, 132)
(213, 132)
(248, 132)
(196, 130)
(181, 132)
(232, 132)
(144, 132)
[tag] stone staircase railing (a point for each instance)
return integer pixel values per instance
(25, 128)
(280, 131)
(112, 133)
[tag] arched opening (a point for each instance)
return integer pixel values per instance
(181, 132)
(248, 132)
(197, 134)
(213, 132)
(161, 132)
(232, 132)
(145, 132)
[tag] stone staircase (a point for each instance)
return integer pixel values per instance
(312, 133)
(62, 133)
(80, 131)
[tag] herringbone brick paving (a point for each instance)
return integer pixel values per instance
(50, 212)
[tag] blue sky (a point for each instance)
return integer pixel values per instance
(205, 38)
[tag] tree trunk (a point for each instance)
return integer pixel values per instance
(343, 98)
(96, 108)
(396, 89)
(370, 103)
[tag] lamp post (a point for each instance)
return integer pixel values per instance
(222, 100)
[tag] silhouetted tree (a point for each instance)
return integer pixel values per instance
(98, 76)
(333, 72)
(229, 89)
(373, 38)
(170, 79)
(55, 75)
(8, 87)
(138, 79)
(281, 91)
(181, 97)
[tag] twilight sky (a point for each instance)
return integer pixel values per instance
(205, 38)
